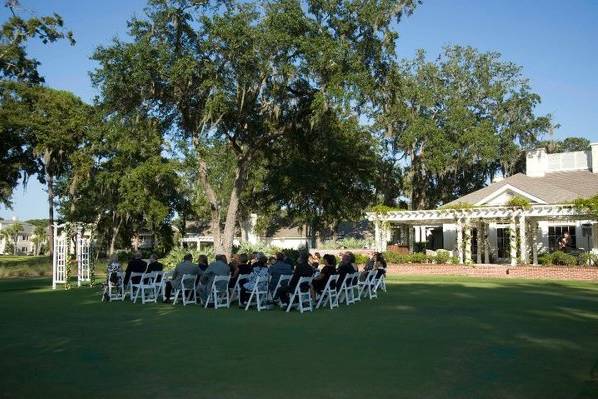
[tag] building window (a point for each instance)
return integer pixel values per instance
(556, 232)
(503, 243)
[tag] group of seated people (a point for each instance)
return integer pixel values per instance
(253, 268)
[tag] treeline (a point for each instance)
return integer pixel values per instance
(298, 110)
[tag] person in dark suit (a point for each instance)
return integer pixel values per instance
(319, 283)
(302, 269)
(154, 265)
(136, 265)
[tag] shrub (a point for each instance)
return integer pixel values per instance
(247, 248)
(442, 257)
(458, 205)
(394, 257)
(346, 243)
(418, 257)
(176, 255)
(545, 258)
(561, 258)
(587, 259)
(361, 259)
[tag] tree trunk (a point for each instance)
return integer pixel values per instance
(214, 204)
(232, 210)
(114, 237)
(50, 184)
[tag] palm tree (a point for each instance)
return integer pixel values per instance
(12, 233)
(40, 235)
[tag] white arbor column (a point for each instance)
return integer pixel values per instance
(377, 234)
(480, 238)
(460, 241)
(410, 237)
(594, 237)
(513, 240)
(534, 233)
(522, 240)
(467, 242)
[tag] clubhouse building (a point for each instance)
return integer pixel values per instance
(486, 226)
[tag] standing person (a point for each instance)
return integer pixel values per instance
(319, 282)
(302, 269)
(136, 265)
(154, 265)
(564, 242)
(279, 268)
(185, 267)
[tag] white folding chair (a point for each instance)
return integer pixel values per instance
(236, 290)
(345, 291)
(158, 276)
(355, 286)
(259, 294)
(282, 281)
(218, 294)
(115, 291)
(329, 294)
(379, 282)
(134, 287)
(186, 290)
(303, 297)
(166, 277)
(366, 285)
(146, 288)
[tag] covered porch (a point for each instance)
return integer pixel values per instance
(488, 234)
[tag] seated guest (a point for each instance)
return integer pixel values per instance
(260, 270)
(279, 268)
(217, 268)
(271, 260)
(319, 282)
(380, 265)
(233, 265)
(314, 260)
(302, 269)
(202, 262)
(242, 268)
(185, 267)
(136, 265)
(113, 268)
(154, 265)
(345, 267)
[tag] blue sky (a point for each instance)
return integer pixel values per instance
(556, 42)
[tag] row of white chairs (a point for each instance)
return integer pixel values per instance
(149, 286)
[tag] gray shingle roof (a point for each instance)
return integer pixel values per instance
(553, 188)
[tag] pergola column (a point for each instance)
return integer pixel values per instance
(480, 227)
(486, 243)
(410, 237)
(513, 240)
(467, 242)
(522, 240)
(460, 241)
(377, 234)
(534, 233)
(594, 236)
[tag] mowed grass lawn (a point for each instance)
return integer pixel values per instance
(435, 337)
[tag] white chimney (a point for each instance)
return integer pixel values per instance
(536, 162)
(594, 157)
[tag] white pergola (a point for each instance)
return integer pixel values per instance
(521, 221)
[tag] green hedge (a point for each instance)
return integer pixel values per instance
(564, 259)
(441, 257)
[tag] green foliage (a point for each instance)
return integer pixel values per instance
(458, 205)
(418, 257)
(457, 120)
(589, 205)
(361, 259)
(346, 243)
(442, 257)
(557, 258)
(382, 209)
(567, 145)
(519, 202)
(248, 248)
(587, 259)
(176, 255)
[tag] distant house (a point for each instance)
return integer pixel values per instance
(25, 243)
(484, 227)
